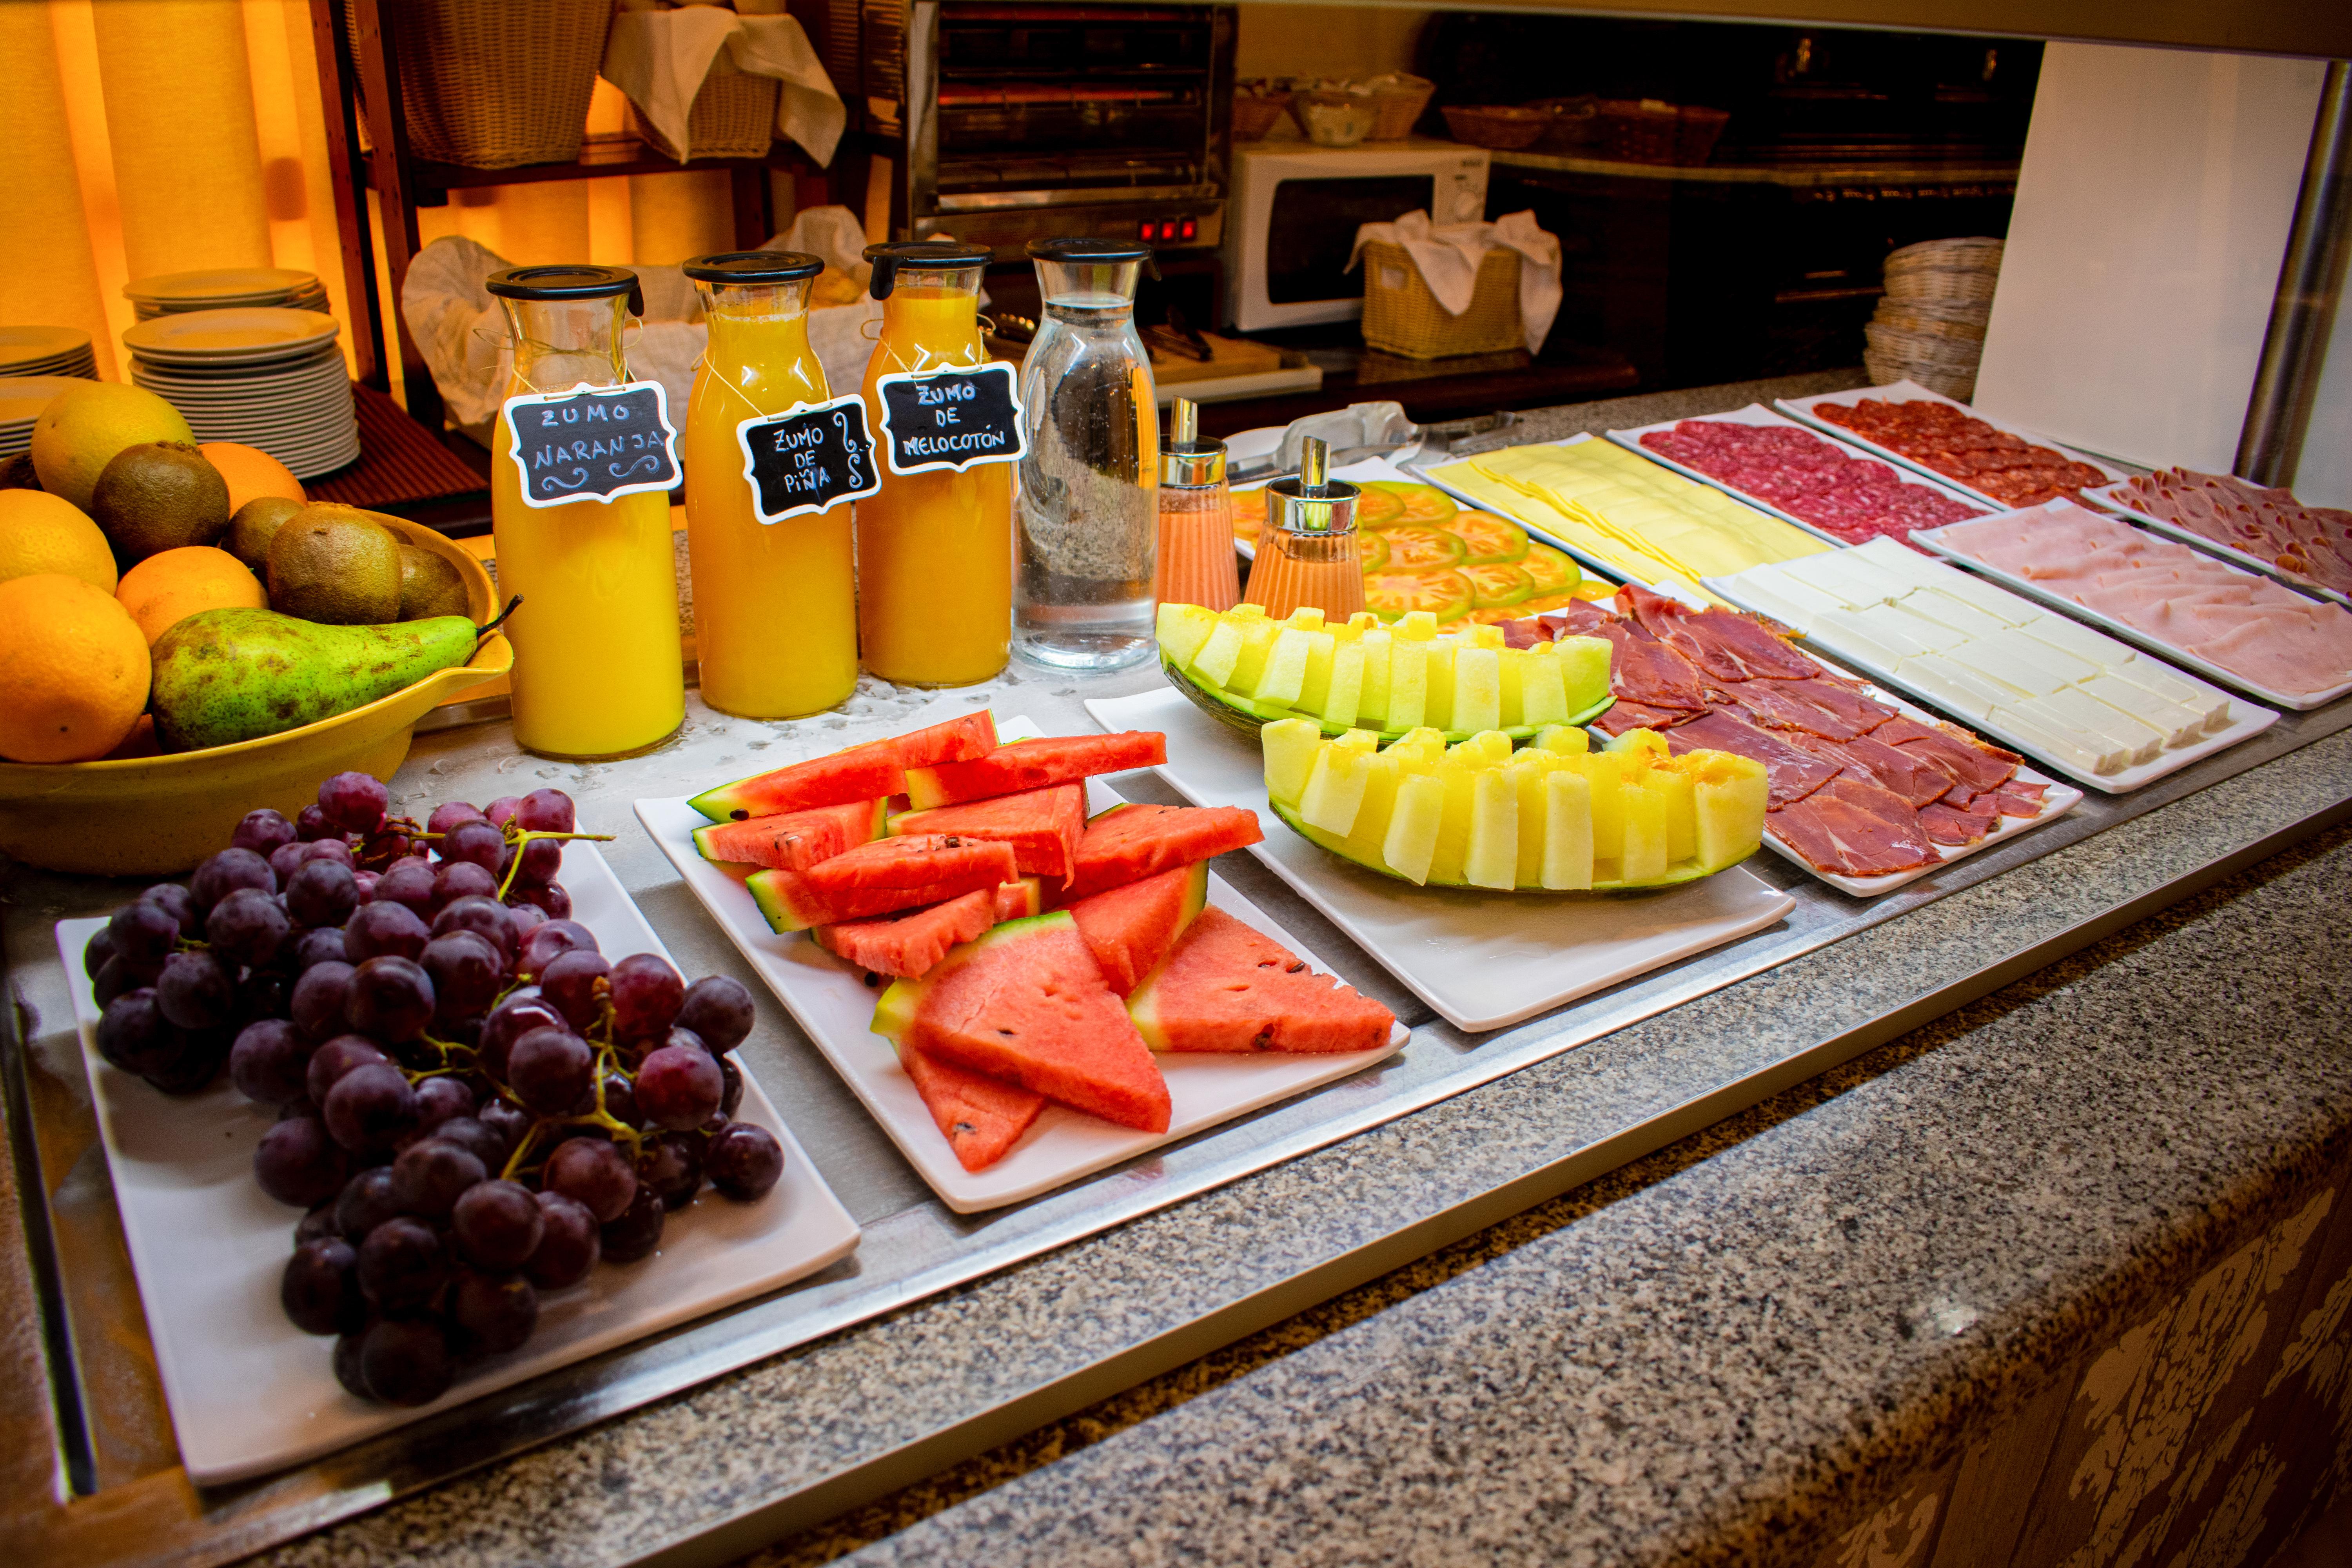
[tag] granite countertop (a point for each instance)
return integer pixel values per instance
(1726, 1350)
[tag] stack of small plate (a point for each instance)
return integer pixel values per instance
(46, 351)
(171, 293)
(22, 398)
(271, 378)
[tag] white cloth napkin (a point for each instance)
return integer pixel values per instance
(659, 60)
(1449, 254)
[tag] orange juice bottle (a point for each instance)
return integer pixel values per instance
(775, 603)
(934, 549)
(598, 672)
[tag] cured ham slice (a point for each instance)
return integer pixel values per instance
(1916, 779)
(1958, 826)
(1771, 705)
(1644, 670)
(1722, 644)
(1793, 775)
(1623, 716)
(1856, 829)
(1969, 760)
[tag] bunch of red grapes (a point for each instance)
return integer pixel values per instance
(475, 1104)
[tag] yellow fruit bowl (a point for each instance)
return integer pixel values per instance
(158, 816)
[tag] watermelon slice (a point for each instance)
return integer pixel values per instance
(1026, 1004)
(910, 942)
(795, 840)
(1017, 900)
(958, 739)
(879, 878)
(980, 1116)
(1230, 987)
(1130, 929)
(1128, 843)
(858, 772)
(1041, 825)
(1033, 765)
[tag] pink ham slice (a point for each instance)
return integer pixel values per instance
(1969, 760)
(1722, 644)
(1856, 829)
(1916, 779)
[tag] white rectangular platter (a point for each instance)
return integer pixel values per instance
(1482, 960)
(832, 1003)
(2246, 721)
(2123, 631)
(249, 1393)
(2112, 496)
(1912, 392)
(1757, 413)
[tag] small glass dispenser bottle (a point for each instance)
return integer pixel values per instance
(599, 672)
(1308, 554)
(1087, 525)
(1196, 518)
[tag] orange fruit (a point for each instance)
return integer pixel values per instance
(250, 472)
(41, 533)
(73, 671)
(173, 585)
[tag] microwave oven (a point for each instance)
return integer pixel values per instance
(1291, 221)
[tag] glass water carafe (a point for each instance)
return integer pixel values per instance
(598, 668)
(1089, 521)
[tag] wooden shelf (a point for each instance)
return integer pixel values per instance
(601, 157)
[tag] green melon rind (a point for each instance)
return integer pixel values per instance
(1674, 877)
(895, 1008)
(1248, 716)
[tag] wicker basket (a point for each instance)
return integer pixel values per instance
(1504, 129)
(494, 84)
(733, 116)
(1960, 386)
(1257, 114)
(1648, 131)
(1403, 317)
(1942, 284)
(1574, 127)
(1397, 102)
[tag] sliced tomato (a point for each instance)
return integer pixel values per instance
(1375, 548)
(1445, 595)
(1377, 509)
(1423, 504)
(1553, 571)
(1418, 548)
(1486, 538)
(1494, 583)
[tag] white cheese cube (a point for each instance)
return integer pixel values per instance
(1956, 686)
(1934, 604)
(2149, 676)
(2180, 725)
(1990, 597)
(1898, 628)
(2092, 648)
(2089, 716)
(1845, 633)
(1837, 573)
(2028, 666)
(1899, 559)
(1763, 595)
(2052, 740)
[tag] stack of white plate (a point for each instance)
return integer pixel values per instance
(270, 378)
(1930, 326)
(22, 398)
(46, 351)
(171, 293)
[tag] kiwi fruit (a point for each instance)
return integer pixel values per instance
(429, 585)
(333, 564)
(16, 473)
(255, 525)
(158, 496)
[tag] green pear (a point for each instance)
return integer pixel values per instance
(226, 676)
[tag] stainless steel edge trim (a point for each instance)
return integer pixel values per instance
(1100, 196)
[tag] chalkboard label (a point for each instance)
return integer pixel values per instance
(809, 457)
(950, 418)
(593, 444)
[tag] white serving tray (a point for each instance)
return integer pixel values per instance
(249, 1393)
(2123, 631)
(1912, 392)
(2111, 496)
(834, 1006)
(1757, 413)
(1482, 959)
(2246, 721)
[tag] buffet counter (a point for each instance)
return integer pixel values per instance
(1851, 1241)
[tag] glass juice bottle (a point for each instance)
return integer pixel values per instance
(598, 672)
(1089, 510)
(934, 549)
(775, 604)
